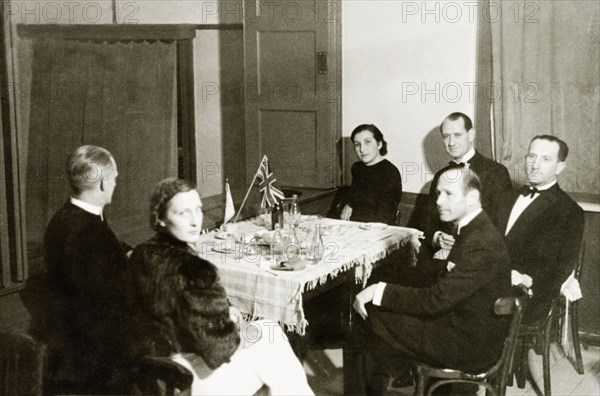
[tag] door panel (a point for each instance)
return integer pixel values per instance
(277, 58)
(290, 137)
(291, 114)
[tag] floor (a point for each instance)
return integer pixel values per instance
(324, 369)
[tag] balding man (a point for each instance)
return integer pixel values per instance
(85, 267)
(452, 323)
(543, 226)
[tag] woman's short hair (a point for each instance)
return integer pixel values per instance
(164, 191)
(85, 167)
(376, 134)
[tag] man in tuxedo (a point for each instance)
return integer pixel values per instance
(458, 135)
(85, 269)
(543, 226)
(451, 323)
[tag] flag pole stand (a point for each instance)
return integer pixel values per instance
(244, 201)
(248, 192)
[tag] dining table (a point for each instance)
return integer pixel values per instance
(261, 290)
(266, 285)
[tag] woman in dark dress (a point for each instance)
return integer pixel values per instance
(182, 311)
(376, 183)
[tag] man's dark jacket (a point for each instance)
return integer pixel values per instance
(495, 181)
(543, 243)
(452, 323)
(85, 270)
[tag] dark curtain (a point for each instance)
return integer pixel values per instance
(118, 95)
(546, 63)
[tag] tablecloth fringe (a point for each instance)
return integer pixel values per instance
(310, 285)
(366, 263)
(299, 327)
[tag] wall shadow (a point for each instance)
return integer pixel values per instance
(435, 158)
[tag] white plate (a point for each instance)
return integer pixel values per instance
(223, 249)
(373, 226)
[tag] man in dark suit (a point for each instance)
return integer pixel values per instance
(458, 135)
(85, 268)
(451, 323)
(543, 226)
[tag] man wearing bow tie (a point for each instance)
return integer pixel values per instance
(85, 269)
(451, 323)
(543, 226)
(458, 135)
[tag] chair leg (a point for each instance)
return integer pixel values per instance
(421, 384)
(522, 367)
(546, 365)
(575, 334)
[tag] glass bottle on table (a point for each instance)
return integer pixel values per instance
(316, 249)
(277, 242)
(295, 211)
(292, 247)
(276, 215)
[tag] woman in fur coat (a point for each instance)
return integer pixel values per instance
(182, 310)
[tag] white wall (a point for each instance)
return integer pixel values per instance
(124, 11)
(394, 50)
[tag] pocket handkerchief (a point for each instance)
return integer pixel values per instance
(450, 266)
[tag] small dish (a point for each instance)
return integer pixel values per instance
(332, 230)
(373, 226)
(291, 265)
(223, 249)
(223, 235)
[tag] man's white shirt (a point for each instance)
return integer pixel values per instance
(88, 207)
(521, 204)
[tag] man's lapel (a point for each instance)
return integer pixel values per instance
(532, 212)
(504, 211)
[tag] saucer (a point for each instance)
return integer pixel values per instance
(373, 226)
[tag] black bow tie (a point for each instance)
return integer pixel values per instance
(453, 164)
(528, 190)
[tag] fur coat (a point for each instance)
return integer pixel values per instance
(179, 302)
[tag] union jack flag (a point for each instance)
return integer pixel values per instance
(270, 193)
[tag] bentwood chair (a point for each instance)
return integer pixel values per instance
(495, 378)
(160, 376)
(22, 361)
(541, 334)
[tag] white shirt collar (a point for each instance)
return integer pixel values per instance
(470, 154)
(88, 207)
(467, 219)
(546, 186)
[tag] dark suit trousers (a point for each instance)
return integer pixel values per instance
(381, 358)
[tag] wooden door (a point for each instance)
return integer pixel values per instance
(292, 90)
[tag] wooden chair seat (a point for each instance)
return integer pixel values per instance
(495, 378)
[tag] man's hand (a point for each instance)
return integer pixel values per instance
(445, 241)
(362, 298)
(346, 213)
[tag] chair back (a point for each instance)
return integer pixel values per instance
(160, 376)
(21, 365)
(579, 264)
(508, 306)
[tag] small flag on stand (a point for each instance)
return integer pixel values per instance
(269, 191)
(229, 208)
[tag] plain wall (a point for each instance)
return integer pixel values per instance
(392, 52)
